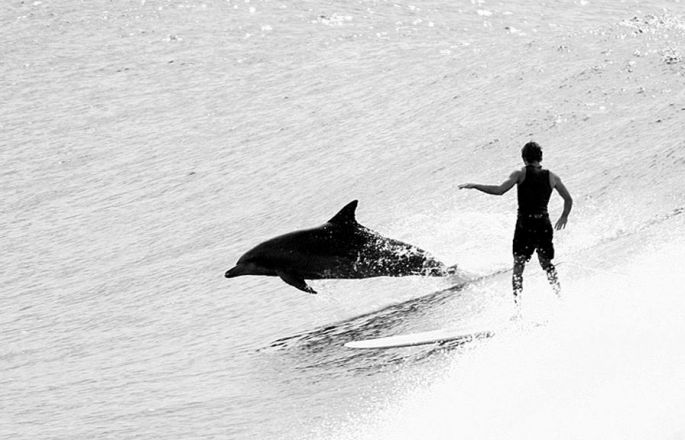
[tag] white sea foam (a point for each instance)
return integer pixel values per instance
(607, 365)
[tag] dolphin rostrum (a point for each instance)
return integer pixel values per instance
(340, 248)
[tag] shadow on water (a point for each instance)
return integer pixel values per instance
(323, 348)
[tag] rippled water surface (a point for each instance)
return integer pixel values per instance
(148, 144)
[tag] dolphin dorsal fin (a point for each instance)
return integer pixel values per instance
(346, 215)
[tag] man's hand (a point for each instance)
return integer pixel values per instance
(467, 186)
(561, 223)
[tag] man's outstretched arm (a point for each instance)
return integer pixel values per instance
(495, 190)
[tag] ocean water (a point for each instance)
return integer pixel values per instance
(148, 144)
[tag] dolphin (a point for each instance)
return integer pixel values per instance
(340, 248)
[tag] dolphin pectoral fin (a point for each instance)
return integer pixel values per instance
(296, 281)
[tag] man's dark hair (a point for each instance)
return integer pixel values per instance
(531, 152)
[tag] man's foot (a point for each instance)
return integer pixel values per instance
(518, 315)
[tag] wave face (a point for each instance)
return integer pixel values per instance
(148, 144)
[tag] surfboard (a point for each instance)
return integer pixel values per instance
(423, 338)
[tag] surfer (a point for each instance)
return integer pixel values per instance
(533, 227)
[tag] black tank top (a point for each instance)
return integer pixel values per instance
(534, 192)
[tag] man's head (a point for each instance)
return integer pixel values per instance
(531, 152)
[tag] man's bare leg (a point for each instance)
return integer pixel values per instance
(517, 277)
(552, 275)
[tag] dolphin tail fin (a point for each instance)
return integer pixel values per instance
(296, 281)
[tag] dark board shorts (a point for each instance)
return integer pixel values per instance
(533, 232)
